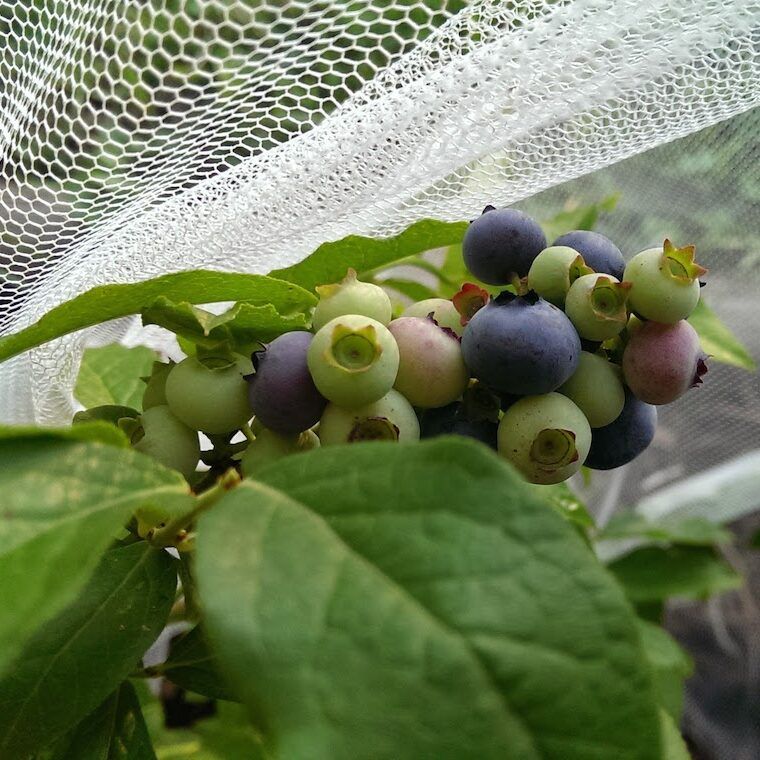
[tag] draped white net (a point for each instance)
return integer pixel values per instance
(139, 137)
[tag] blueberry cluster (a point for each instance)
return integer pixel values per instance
(562, 368)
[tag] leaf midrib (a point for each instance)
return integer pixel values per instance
(69, 641)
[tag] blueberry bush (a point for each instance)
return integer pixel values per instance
(342, 511)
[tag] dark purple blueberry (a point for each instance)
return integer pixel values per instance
(438, 421)
(521, 345)
(453, 419)
(484, 431)
(500, 244)
(624, 439)
(599, 252)
(281, 392)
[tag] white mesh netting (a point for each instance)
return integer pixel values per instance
(139, 137)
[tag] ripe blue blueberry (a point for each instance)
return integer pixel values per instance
(454, 420)
(599, 253)
(281, 391)
(624, 439)
(500, 244)
(521, 345)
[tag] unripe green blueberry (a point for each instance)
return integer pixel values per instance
(390, 418)
(554, 270)
(210, 398)
(353, 360)
(431, 370)
(444, 313)
(270, 446)
(596, 305)
(152, 516)
(546, 438)
(350, 296)
(155, 389)
(665, 283)
(596, 389)
(168, 440)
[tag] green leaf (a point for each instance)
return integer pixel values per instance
(690, 531)
(242, 327)
(654, 573)
(112, 301)
(115, 731)
(108, 413)
(567, 504)
(76, 659)
(673, 745)
(94, 430)
(426, 583)
(63, 502)
(111, 376)
(456, 273)
(331, 260)
(717, 340)
(580, 218)
(416, 291)
(670, 665)
(193, 666)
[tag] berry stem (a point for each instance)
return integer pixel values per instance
(175, 530)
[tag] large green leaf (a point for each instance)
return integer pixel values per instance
(692, 531)
(115, 731)
(717, 340)
(91, 430)
(653, 573)
(673, 745)
(381, 601)
(112, 301)
(76, 659)
(192, 665)
(63, 502)
(242, 326)
(331, 260)
(111, 376)
(670, 665)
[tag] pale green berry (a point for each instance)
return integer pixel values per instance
(162, 436)
(665, 283)
(353, 360)
(554, 270)
(443, 311)
(431, 370)
(269, 447)
(350, 296)
(390, 418)
(596, 388)
(596, 305)
(547, 438)
(211, 396)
